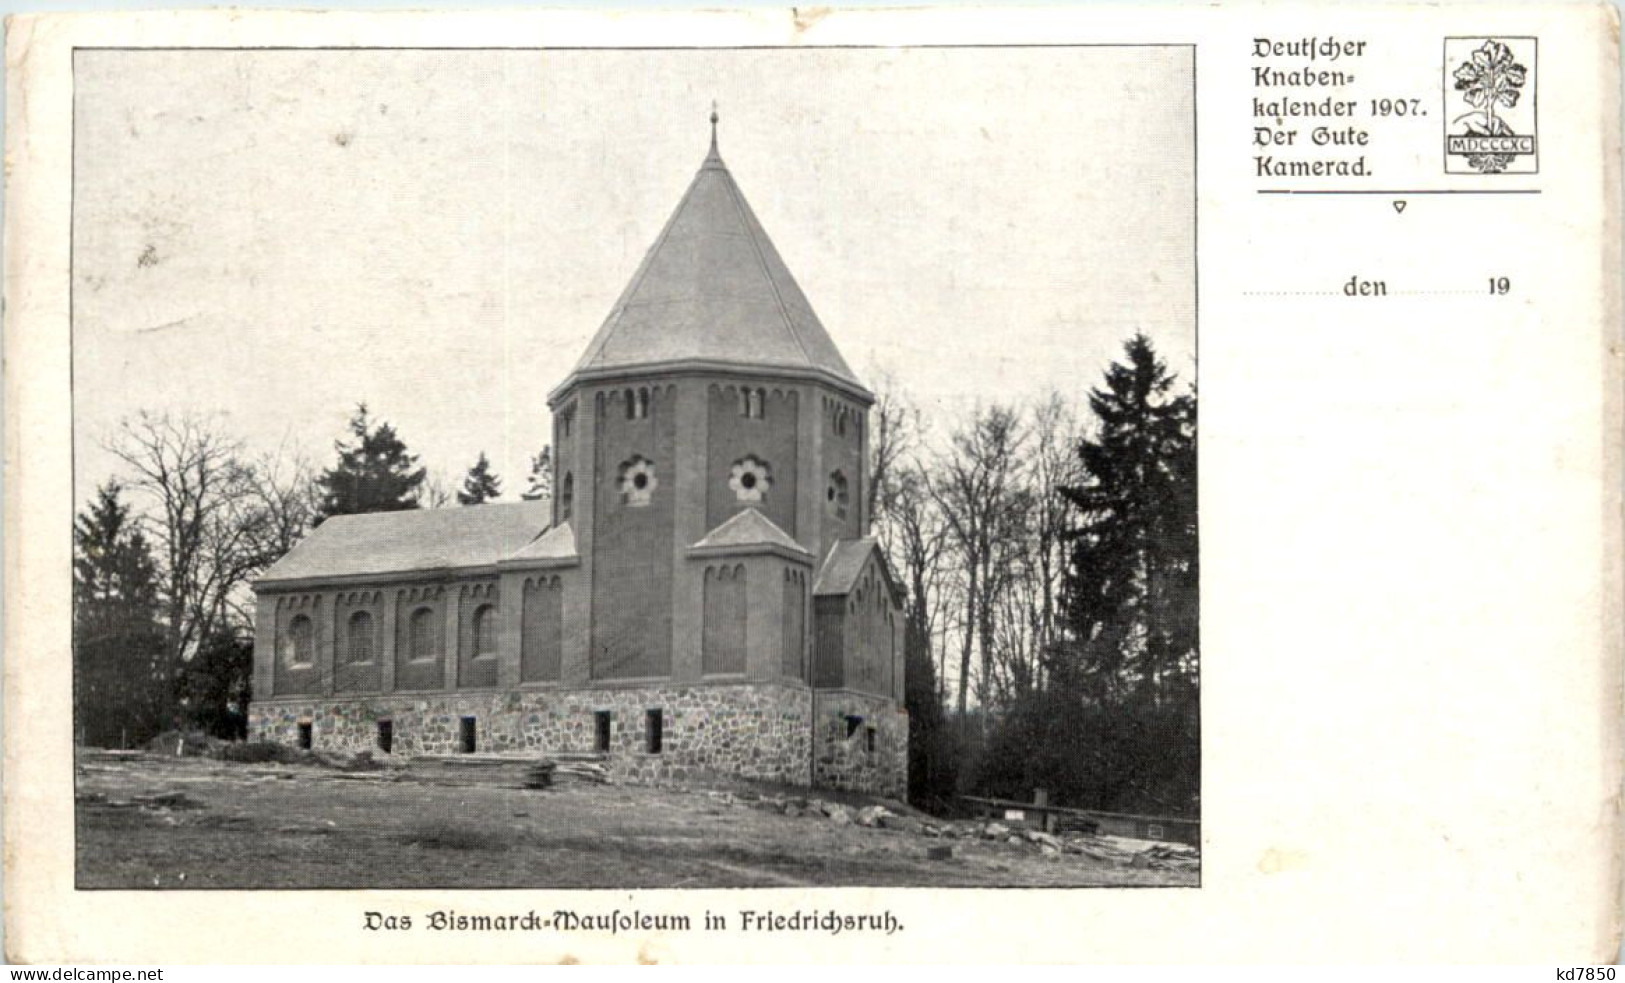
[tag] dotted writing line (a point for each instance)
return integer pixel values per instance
(1391, 293)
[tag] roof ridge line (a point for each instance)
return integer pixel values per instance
(619, 310)
(745, 216)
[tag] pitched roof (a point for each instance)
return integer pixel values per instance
(845, 563)
(712, 289)
(410, 541)
(558, 543)
(748, 528)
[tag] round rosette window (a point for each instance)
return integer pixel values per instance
(836, 495)
(638, 481)
(750, 478)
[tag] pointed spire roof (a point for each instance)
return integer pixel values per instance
(713, 292)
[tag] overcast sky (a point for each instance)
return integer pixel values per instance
(273, 236)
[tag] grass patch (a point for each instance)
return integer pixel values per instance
(444, 834)
(263, 752)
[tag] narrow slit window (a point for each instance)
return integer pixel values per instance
(306, 735)
(655, 730)
(600, 720)
(386, 736)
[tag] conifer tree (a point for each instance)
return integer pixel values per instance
(480, 486)
(1131, 589)
(374, 473)
(540, 480)
(118, 642)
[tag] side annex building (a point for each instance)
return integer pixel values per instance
(700, 595)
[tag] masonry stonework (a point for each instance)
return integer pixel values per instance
(704, 562)
(754, 731)
(860, 743)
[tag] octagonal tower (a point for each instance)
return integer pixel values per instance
(703, 596)
(709, 456)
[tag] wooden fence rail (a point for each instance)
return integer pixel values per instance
(1166, 828)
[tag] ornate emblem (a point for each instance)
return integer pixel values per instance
(1497, 133)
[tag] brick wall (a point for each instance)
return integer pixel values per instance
(358, 628)
(632, 544)
(770, 438)
(302, 626)
(477, 669)
(420, 662)
(842, 426)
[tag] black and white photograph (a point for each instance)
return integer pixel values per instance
(635, 468)
(499, 488)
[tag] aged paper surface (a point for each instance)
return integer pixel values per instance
(1401, 304)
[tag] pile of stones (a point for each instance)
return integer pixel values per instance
(547, 772)
(1162, 856)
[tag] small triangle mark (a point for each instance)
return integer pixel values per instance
(1399, 206)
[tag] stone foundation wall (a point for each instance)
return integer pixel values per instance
(842, 722)
(753, 730)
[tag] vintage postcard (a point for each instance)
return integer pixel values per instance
(729, 486)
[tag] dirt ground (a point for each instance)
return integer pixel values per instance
(156, 821)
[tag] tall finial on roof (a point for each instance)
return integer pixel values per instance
(714, 160)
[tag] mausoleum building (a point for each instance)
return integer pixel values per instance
(699, 596)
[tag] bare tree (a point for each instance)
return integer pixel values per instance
(192, 481)
(976, 486)
(438, 491)
(281, 503)
(906, 520)
(1051, 464)
(915, 536)
(895, 431)
(216, 521)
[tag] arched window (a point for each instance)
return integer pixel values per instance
(485, 631)
(567, 496)
(301, 640)
(643, 404)
(359, 638)
(631, 405)
(753, 402)
(425, 643)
